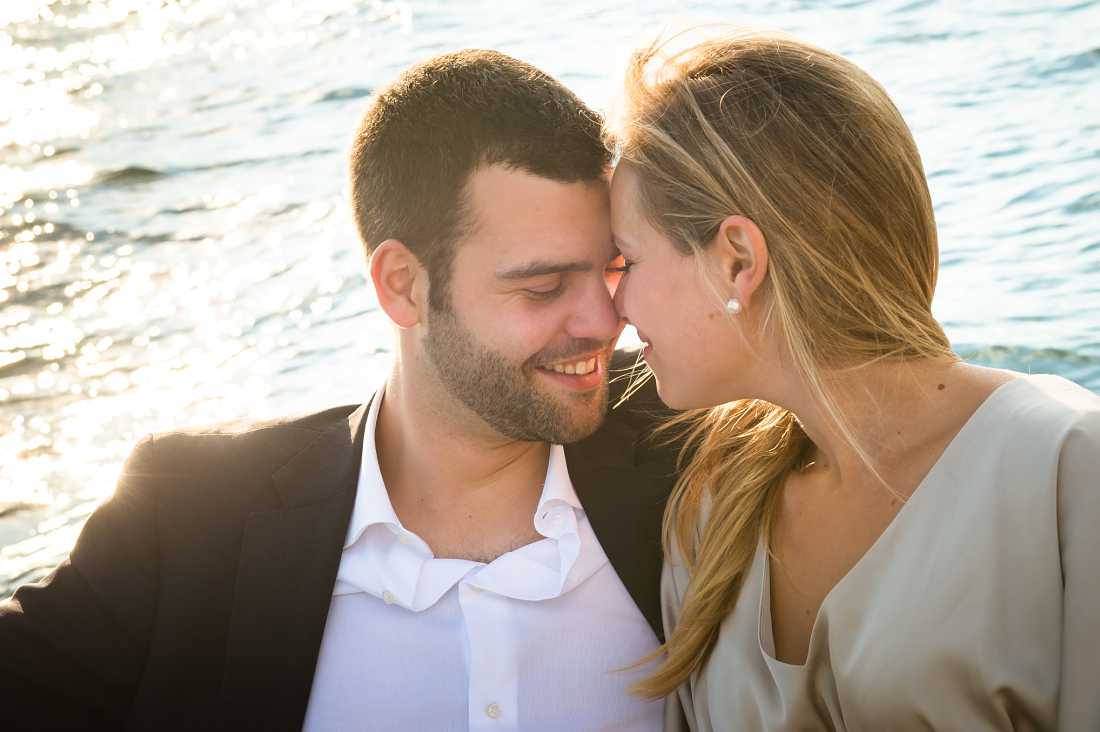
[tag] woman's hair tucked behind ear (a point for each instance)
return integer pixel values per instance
(811, 149)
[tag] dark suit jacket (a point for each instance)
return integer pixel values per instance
(196, 597)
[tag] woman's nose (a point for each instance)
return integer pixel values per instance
(618, 290)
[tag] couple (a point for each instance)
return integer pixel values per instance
(863, 531)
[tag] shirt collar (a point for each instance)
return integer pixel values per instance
(558, 504)
(372, 501)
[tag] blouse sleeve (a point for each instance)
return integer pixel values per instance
(679, 712)
(674, 579)
(1079, 539)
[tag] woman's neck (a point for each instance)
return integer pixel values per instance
(886, 415)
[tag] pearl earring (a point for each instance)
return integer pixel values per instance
(733, 307)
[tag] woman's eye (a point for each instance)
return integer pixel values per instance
(616, 269)
(619, 264)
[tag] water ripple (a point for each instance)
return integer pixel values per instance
(344, 94)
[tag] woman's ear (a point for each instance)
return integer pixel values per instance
(396, 274)
(742, 256)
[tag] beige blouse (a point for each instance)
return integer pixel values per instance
(977, 609)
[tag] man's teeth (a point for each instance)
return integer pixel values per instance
(580, 368)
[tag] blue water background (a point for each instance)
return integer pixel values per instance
(176, 248)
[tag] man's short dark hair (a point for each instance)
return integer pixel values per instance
(436, 124)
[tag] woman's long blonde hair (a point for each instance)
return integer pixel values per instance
(811, 149)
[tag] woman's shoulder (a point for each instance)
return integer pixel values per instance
(1034, 431)
(1068, 394)
(1072, 415)
(1040, 407)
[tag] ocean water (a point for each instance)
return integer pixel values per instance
(176, 247)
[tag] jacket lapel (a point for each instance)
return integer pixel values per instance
(288, 564)
(623, 487)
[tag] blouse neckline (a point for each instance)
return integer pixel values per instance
(765, 635)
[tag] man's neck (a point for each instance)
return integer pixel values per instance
(466, 491)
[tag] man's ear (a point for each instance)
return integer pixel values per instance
(398, 280)
(742, 255)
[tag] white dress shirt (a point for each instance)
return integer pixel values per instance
(533, 640)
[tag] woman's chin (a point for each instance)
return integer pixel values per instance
(674, 398)
(681, 399)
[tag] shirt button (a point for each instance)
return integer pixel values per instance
(388, 598)
(493, 711)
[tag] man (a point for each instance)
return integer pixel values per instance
(434, 558)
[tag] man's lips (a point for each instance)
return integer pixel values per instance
(575, 365)
(589, 371)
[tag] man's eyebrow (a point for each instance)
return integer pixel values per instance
(538, 269)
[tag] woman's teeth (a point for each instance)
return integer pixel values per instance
(580, 368)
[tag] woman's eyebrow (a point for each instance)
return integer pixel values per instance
(539, 268)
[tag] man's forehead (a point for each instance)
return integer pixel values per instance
(490, 188)
(521, 219)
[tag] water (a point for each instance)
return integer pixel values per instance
(175, 240)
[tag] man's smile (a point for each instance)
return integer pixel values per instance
(578, 373)
(579, 367)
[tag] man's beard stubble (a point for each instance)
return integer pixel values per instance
(501, 392)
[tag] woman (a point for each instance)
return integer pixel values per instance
(868, 533)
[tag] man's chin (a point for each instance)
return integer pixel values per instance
(575, 432)
(586, 412)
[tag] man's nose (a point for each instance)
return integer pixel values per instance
(596, 318)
